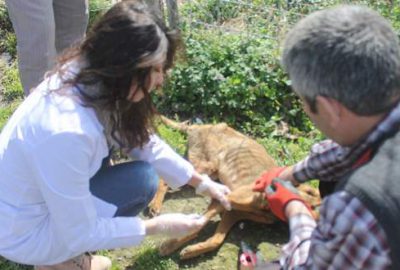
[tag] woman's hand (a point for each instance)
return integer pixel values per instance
(215, 190)
(175, 224)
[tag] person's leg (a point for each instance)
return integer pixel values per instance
(81, 262)
(33, 23)
(71, 19)
(129, 186)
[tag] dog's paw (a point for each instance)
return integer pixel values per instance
(168, 247)
(193, 251)
(152, 211)
(187, 253)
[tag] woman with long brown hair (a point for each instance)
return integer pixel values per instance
(58, 197)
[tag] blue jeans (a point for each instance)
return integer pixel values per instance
(129, 186)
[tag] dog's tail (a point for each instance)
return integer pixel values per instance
(181, 126)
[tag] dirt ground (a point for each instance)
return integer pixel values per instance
(268, 239)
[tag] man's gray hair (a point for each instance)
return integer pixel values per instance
(348, 53)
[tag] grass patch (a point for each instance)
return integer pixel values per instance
(7, 265)
(12, 88)
(11, 92)
(6, 111)
(287, 152)
(9, 43)
(7, 37)
(97, 8)
(147, 257)
(174, 138)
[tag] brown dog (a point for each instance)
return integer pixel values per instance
(236, 161)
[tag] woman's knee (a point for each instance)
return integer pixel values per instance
(151, 176)
(144, 183)
(124, 180)
(144, 173)
(130, 186)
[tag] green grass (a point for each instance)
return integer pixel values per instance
(6, 111)
(96, 8)
(147, 257)
(7, 265)
(9, 43)
(12, 93)
(174, 138)
(287, 152)
(12, 88)
(7, 36)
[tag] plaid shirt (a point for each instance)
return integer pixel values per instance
(347, 235)
(329, 161)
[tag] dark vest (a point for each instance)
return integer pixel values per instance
(377, 186)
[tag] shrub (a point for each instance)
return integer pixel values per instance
(235, 76)
(233, 79)
(8, 42)
(97, 8)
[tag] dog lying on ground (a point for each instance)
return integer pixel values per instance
(236, 161)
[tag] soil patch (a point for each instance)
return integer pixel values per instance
(268, 239)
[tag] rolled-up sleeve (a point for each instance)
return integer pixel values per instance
(322, 163)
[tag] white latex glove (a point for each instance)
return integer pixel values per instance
(175, 224)
(215, 190)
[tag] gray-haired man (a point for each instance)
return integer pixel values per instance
(344, 63)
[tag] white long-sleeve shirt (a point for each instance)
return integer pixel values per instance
(49, 149)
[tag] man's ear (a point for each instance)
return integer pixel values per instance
(331, 108)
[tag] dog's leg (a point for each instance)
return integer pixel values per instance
(154, 207)
(227, 221)
(171, 245)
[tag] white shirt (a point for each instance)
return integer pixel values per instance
(49, 150)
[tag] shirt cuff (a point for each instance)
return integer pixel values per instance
(127, 232)
(296, 251)
(301, 223)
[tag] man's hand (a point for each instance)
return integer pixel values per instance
(266, 178)
(174, 225)
(215, 190)
(278, 194)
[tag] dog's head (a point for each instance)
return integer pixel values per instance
(245, 199)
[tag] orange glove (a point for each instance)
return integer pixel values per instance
(279, 194)
(266, 178)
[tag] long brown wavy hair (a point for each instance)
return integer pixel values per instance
(122, 47)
